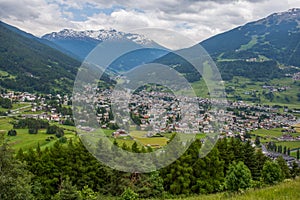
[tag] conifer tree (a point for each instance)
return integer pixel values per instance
(67, 191)
(226, 154)
(284, 167)
(259, 161)
(15, 180)
(249, 157)
(295, 170)
(208, 173)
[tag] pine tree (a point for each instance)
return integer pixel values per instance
(208, 173)
(226, 154)
(135, 148)
(178, 176)
(20, 154)
(284, 167)
(67, 191)
(235, 145)
(149, 185)
(259, 161)
(249, 157)
(295, 170)
(257, 140)
(15, 180)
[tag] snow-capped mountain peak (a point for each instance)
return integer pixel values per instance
(99, 35)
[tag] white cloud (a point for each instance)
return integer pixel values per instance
(197, 19)
(34, 16)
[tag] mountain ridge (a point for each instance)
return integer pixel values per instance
(26, 64)
(266, 45)
(275, 37)
(81, 43)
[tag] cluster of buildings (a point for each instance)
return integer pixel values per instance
(39, 107)
(296, 76)
(276, 88)
(162, 112)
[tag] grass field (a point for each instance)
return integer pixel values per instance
(16, 106)
(241, 88)
(290, 144)
(140, 136)
(248, 90)
(25, 140)
(297, 127)
(268, 135)
(271, 135)
(276, 132)
(288, 190)
(4, 124)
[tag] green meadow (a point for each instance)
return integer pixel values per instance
(272, 134)
(288, 190)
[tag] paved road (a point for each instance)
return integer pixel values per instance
(15, 110)
(274, 155)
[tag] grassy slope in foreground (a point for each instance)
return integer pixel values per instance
(286, 190)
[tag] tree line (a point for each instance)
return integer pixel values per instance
(69, 171)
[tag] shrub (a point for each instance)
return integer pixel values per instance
(12, 132)
(271, 173)
(33, 131)
(129, 194)
(238, 177)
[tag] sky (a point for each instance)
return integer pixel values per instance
(195, 19)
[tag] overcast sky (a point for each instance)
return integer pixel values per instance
(197, 19)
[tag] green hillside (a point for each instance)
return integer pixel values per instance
(275, 37)
(257, 61)
(28, 65)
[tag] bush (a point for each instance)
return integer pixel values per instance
(129, 194)
(238, 177)
(63, 140)
(33, 131)
(12, 132)
(271, 173)
(59, 132)
(87, 193)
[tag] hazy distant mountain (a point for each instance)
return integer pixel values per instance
(81, 43)
(276, 37)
